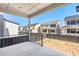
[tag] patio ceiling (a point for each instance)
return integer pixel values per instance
(28, 9)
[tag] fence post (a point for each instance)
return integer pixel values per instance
(41, 40)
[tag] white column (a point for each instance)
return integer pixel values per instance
(29, 30)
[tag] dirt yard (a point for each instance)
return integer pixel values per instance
(68, 48)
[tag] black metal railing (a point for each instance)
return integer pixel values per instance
(7, 41)
(15, 39)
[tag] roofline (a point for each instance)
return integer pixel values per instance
(69, 16)
(11, 21)
(50, 20)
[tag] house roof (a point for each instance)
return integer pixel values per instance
(3, 18)
(11, 21)
(31, 25)
(72, 17)
(51, 22)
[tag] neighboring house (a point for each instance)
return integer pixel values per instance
(7, 27)
(71, 25)
(62, 31)
(51, 27)
(36, 28)
(21, 30)
(33, 27)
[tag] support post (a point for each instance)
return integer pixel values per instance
(41, 39)
(29, 31)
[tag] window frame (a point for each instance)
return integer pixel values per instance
(73, 22)
(54, 25)
(44, 31)
(69, 31)
(52, 31)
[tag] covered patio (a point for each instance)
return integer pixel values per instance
(28, 10)
(28, 49)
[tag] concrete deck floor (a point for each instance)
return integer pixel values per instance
(28, 49)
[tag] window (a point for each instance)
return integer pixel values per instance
(77, 8)
(41, 25)
(44, 30)
(77, 21)
(46, 25)
(73, 30)
(68, 22)
(73, 22)
(53, 25)
(68, 30)
(52, 30)
(78, 31)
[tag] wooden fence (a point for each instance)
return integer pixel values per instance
(64, 37)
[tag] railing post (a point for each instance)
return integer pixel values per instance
(41, 40)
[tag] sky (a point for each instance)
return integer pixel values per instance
(58, 14)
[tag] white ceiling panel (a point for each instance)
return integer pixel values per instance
(28, 9)
(33, 10)
(43, 5)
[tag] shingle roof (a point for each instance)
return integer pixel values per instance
(72, 17)
(51, 22)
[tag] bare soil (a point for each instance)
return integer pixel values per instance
(68, 48)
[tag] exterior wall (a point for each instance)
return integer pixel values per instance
(65, 30)
(43, 27)
(1, 26)
(11, 28)
(53, 32)
(70, 26)
(36, 28)
(7, 28)
(48, 29)
(21, 30)
(72, 20)
(52, 27)
(59, 30)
